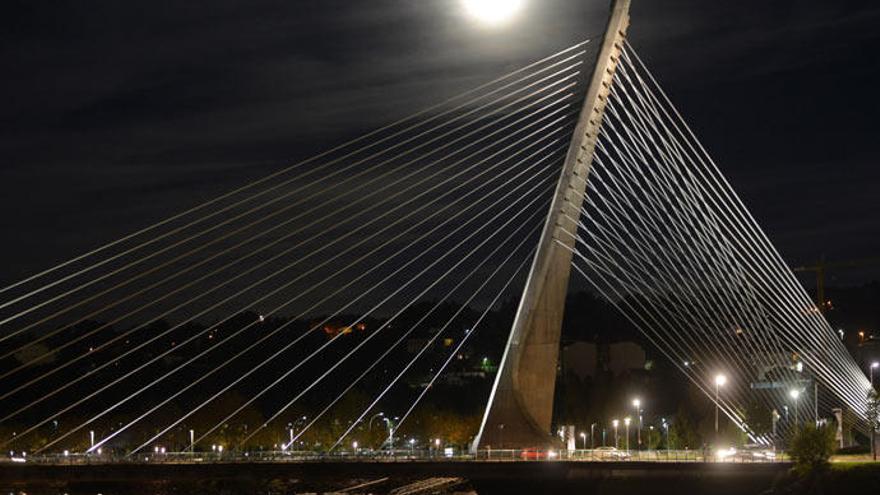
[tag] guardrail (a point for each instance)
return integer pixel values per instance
(405, 455)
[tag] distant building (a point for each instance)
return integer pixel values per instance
(334, 330)
(587, 359)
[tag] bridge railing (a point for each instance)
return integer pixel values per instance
(606, 454)
(616, 455)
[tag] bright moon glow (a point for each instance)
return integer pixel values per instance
(493, 12)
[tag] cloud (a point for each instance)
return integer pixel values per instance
(123, 112)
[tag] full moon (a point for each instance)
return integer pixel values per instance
(493, 12)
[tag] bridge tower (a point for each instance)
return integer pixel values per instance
(520, 408)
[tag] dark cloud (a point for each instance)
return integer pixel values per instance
(120, 113)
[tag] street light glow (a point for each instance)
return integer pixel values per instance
(637, 403)
(875, 364)
(720, 380)
(794, 393)
(493, 12)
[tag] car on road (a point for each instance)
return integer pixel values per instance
(610, 453)
(755, 452)
(533, 454)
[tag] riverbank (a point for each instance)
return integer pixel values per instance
(483, 478)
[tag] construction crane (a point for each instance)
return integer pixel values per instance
(822, 266)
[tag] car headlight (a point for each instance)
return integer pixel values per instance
(725, 453)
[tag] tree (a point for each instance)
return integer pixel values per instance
(758, 417)
(683, 432)
(653, 438)
(811, 448)
(873, 414)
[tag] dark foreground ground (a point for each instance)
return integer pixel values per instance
(398, 478)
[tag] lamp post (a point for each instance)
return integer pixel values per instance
(290, 442)
(666, 430)
(501, 436)
(626, 422)
(875, 364)
(637, 404)
(795, 394)
(592, 436)
(720, 380)
(370, 425)
(584, 438)
(291, 429)
(390, 425)
(192, 441)
(615, 423)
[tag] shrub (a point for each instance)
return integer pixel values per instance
(811, 448)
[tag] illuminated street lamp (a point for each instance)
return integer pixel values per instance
(290, 442)
(875, 364)
(637, 404)
(615, 423)
(666, 430)
(584, 439)
(626, 422)
(720, 381)
(795, 395)
(370, 425)
(390, 424)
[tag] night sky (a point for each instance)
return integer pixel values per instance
(117, 114)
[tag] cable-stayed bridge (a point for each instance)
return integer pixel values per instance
(353, 280)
